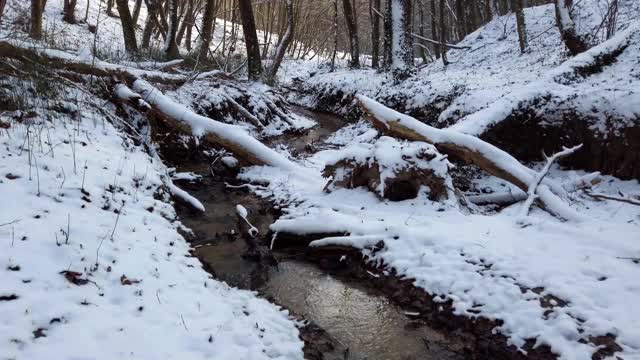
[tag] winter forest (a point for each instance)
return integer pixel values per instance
(320, 179)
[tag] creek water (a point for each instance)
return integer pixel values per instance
(360, 323)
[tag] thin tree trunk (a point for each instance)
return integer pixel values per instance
(36, 19)
(443, 33)
(335, 35)
(152, 9)
(374, 6)
(110, 8)
(136, 12)
(388, 35)
(423, 51)
(128, 29)
(488, 14)
(516, 5)
(572, 40)
(286, 40)
(207, 28)
(69, 11)
(3, 3)
(170, 45)
(352, 28)
(254, 65)
(434, 27)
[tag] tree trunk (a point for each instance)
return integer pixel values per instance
(488, 13)
(284, 43)
(170, 46)
(516, 5)
(401, 48)
(110, 8)
(388, 35)
(575, 43)
(443, 33)
(207, 28)
(352, 28)
(152, 9)
(69, 11)
(423, 51)
(375, 33)
(36, 19)
(128, 29)
(335, 35)
(434, 27)
(3, 3)
(136, 12)
(254, 65)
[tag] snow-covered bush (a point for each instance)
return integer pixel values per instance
(393, 169)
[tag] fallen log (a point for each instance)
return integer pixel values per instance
(471, 150)
(231, 137)
(56, 59)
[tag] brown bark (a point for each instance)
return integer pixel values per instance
(254, 64)
(443, 33)
(375, 33)
(3, 3)
(287, 38)
(136, 12)
(36, 19)
(128, 29)
(171, 47)
(434, 27)
(68, 11)
(207, 28)
(575, 43)
(516, 5)
(352, 28)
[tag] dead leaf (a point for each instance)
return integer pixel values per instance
(74, 277)
(126, 281)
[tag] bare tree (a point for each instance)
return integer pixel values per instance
(254, 64)
(434, 26)
(284, 42)
(128, 29)
(110, 8)
(401, 48)
(36, 19)
(136, 11)
(443, 33)
(3, 3)
(149, 23)
(516, 5)
(335, 35)
(170, 46)
(374, 9)
(352, 28)
(68, 11)
(207, 27)
(575, 43)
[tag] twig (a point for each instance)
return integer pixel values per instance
(612, 198)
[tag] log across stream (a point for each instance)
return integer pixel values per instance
(360, 322)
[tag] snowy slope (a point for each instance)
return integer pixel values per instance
(489, 266)
(79, 197)
(491, 69)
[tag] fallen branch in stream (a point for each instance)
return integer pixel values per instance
(472, 150)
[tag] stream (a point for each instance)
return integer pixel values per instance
(360, 323)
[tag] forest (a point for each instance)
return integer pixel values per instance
(320, 179)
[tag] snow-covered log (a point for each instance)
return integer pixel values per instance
(470, 149)
(231, 137)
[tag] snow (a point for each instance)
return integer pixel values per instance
(201, 126)
(81, 199)
(486, 265)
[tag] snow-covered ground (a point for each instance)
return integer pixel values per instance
(487, 265)
(490, 73)
(92, 265)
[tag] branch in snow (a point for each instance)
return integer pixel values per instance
(243, 213)
(532, 193)
(183, 195)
